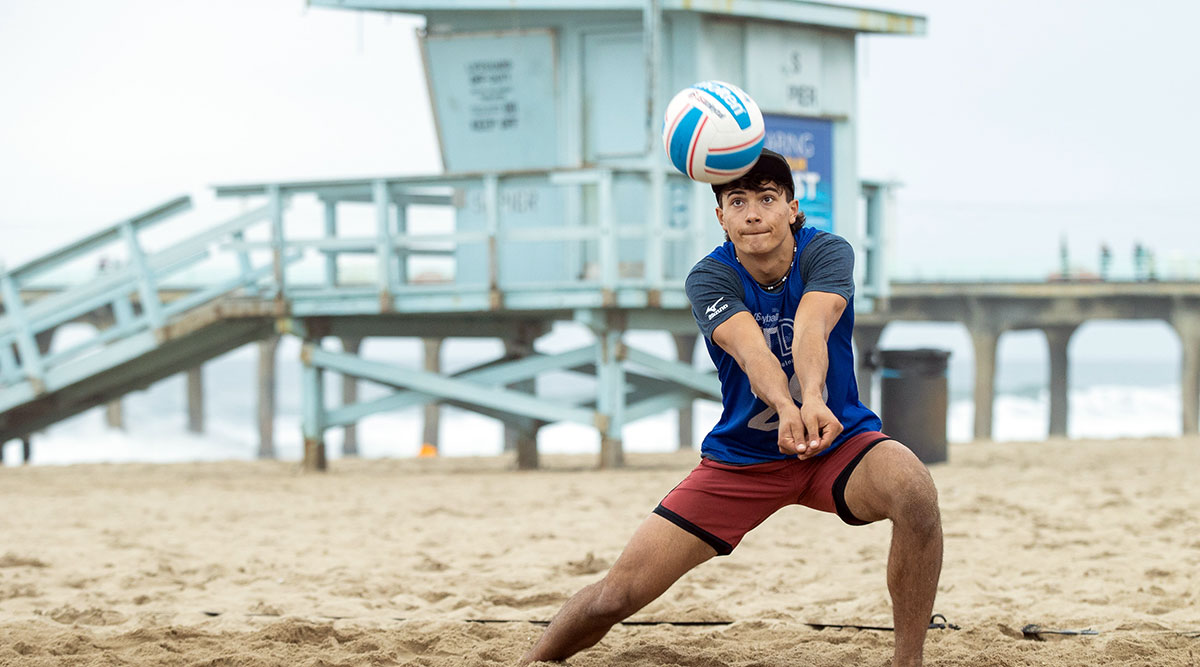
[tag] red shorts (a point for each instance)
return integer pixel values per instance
(720, 503)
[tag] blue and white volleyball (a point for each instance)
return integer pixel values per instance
(713, 132)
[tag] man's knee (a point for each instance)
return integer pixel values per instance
(892, 483)
(658, 554)
(914, 497)
(613, 601)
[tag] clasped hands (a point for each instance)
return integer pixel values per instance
(808, 429)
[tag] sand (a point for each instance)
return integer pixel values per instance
(388, 562)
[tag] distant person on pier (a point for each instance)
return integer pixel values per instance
(775, 305)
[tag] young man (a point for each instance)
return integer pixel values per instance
(775, 304)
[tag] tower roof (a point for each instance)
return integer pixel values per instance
(841, 17)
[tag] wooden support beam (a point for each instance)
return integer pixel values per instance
(494, 373)
(474, 325)
(385, 252)
(350, 345)
(685, 351)
(641, 408)
(705, 383)
(432, 412)
(30, 359)
(522, 437)
(266, 397)
(147, 282)
(114, 415)
(331, 232)
(313, 417)
(275, 205)
(610, 399)
(473, 391)
(195, 399)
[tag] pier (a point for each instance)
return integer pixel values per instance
(989, 309)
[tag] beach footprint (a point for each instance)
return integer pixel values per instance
(10, 559)
(68, 615)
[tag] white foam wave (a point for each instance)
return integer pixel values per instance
(1104, 411)
(1101, 411)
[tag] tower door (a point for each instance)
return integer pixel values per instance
(614, 96)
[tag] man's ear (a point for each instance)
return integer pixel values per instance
(721, 218)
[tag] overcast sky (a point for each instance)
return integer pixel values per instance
(1034, 120)
(1011, 124)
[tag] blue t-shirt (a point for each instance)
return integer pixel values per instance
(719, 287)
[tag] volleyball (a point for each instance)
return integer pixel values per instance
(713, 132)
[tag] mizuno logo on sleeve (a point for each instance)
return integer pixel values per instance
(716, 308)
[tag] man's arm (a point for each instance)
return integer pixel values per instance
(816, 316)
(742, 338)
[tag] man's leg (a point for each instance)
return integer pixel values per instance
(892, 483)
(657, 555)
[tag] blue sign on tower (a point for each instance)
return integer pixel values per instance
(807, 143)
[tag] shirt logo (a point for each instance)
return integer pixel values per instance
(713, 310)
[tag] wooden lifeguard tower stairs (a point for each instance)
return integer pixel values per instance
(557, 205)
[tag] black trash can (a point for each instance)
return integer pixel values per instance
(914, 400)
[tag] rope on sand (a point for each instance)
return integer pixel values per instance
(936, 622)
(1031, 631)
(493, 620)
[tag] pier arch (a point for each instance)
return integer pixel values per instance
(1145, 354)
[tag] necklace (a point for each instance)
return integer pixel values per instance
(778, 283)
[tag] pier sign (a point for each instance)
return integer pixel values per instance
(807, 143)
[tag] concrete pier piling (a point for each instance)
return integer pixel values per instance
(1058, 339)
(984, 339)
(1187, 325)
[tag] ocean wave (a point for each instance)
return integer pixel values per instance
(1102, 411)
